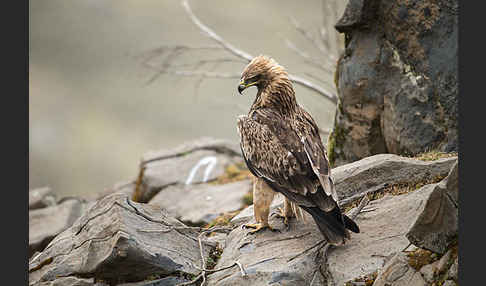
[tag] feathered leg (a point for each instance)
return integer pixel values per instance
(262, 199)
(287, 212)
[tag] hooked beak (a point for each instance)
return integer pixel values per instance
(241, 87)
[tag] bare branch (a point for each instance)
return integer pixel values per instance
(244, 55)
(308, 59)
(305, 83)
(309, 36)
(210, 33)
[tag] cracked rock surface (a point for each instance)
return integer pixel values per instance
(118, 240)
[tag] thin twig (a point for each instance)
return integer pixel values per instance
(307, 58)
(242, 270)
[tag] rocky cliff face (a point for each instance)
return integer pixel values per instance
(407, 214)
(397, 79)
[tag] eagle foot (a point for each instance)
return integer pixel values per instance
(259, 226)
(280, 213)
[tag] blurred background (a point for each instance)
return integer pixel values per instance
(97, 102)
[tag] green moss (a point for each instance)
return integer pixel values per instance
(335, 139)
(331, 142)
(213, 257)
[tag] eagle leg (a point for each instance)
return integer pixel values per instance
(262, 199)
(286, 212)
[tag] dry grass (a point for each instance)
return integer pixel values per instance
(233, 173)
(224, 219)
(368, 279)
(434, 155)
(420, 257)
(395, 190)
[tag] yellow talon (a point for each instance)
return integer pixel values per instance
(257, 227)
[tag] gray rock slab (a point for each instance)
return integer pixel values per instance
(382, 234)
(166, 281)
(200, 161)
(46, 223)
(201, 203)
(381, 170)
(437, 225)
(41, 198)
(118, 240)
(70, 281)
(397, 272)
(266, 254)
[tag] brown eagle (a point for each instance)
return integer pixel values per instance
(282, 148)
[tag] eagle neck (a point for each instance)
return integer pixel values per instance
(278, 95)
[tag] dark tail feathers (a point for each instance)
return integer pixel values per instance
(333, 225)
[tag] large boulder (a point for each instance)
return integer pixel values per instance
(437, 226)
(118, 240)
(397, 79)
(200, 204)
(383, 224)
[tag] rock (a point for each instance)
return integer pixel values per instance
(378, 171)
(71, 281)
(397, 272)
(200, 204)
(196, 162)
(444, 261)
(453, 271)
(449, 283)
(266, 254)
(436, 227)
(428, 271)
(382, 234)
(41, 198)
(126, 188)
(118, 240)
(247, 214)
(397, 86)
(167, 281)
(46, 223)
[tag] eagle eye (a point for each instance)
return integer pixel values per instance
(254, 78)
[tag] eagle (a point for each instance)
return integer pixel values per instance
(282, 148)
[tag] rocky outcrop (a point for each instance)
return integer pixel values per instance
(114, 240)
(120, 240)
(200, 204)
(397, 79)
(380, 171)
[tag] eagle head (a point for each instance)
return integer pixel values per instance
(261, 72)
